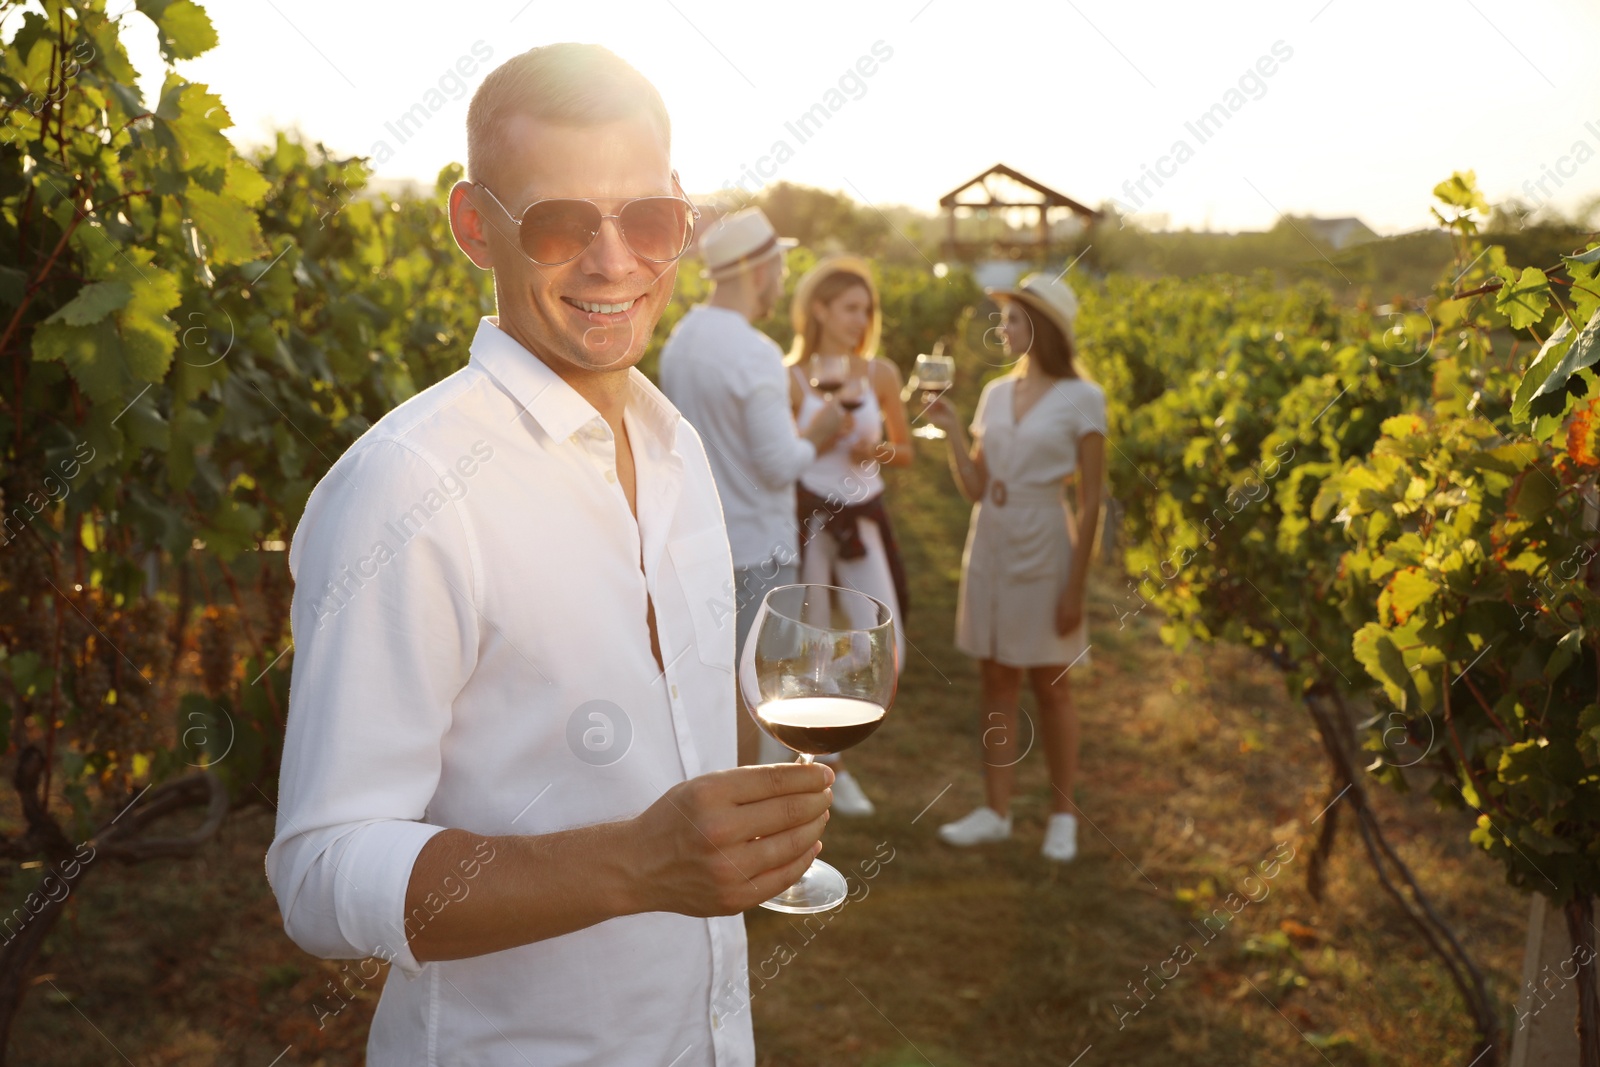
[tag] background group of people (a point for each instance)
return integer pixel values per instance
(798, 470)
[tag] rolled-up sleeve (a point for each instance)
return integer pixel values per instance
(385, 626)
(777, 451)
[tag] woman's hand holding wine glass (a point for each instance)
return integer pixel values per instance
(943, 414)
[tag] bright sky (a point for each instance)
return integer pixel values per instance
(1376, 101)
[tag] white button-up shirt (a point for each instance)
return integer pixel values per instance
(472, 650)
(727, 378)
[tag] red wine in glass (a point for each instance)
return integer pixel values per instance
(828, 374)
(821, 724)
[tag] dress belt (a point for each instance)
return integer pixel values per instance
(1002, 495)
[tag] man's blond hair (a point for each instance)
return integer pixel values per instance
(568, 84)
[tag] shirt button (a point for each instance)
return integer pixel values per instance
(716, 1021)
(674, 692)
(611, 476)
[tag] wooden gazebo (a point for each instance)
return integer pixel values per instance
(991, 196)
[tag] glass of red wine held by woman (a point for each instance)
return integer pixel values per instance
(818, 673)
(828, 374)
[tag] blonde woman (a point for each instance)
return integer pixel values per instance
(1026, 566)
(845, 536)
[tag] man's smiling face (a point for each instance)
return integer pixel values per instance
(595, 313)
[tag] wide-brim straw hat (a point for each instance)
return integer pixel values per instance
(1051, 297)
(807, 286)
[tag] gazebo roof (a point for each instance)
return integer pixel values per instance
(1050, 198)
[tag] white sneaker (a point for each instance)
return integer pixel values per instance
(1061, 838)
(848, 799)
(979, 827)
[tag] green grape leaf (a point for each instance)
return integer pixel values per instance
(246, 182)
(194, 119)
(1461, 190)
(93, 354)
(1377, 652)
(1565, 654)
(13, 283)
(232, 528)
(29, 675)
(1402, 426)
(1551, 394)
(1585, 291)
(191, 434)
(94, 302)
(1524, 298)
(1407, 591)
(148, 335)
(1539, 370)
(127, 97)
(230, 227)
(1589, 734)
(1534, 495)
(34, 77)
(183, 28)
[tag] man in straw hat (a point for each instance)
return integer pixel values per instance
(727, 379)
(509, 767)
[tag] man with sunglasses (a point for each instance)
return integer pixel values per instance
(509, 768)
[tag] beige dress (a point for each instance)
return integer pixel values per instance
(1019, 543)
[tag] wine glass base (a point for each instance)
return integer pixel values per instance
(821, 888)
(930, 433)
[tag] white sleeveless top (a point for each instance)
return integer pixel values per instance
(833, 472)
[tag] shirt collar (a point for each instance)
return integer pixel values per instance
(557, 407)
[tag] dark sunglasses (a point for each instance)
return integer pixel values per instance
(558, 230)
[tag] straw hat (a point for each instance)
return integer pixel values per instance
(1050, 297)
(740, 240)
(800, 306)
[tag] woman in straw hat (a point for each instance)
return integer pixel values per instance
(1026, 564)
(845, 536)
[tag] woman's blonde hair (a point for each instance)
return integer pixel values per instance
(824, 283)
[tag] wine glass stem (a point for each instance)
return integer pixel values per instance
(806, 757)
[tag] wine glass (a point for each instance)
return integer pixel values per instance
(828, 374)
(933, 375)
(853, 393)
(818, 674)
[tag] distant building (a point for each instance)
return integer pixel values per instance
(1335, 233)
(1002, 222)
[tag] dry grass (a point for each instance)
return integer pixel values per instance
(1195, 767)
